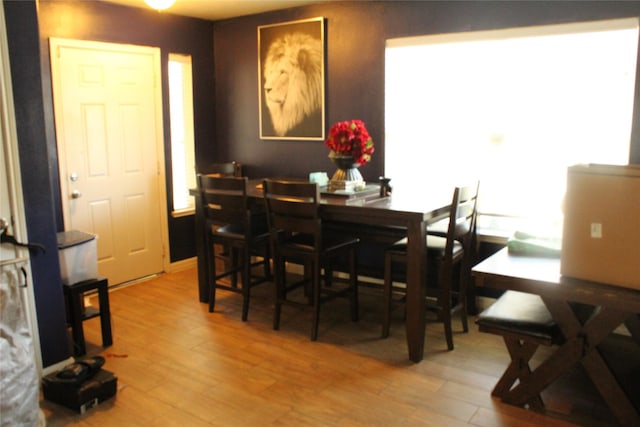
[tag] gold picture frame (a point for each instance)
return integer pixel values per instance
(291, 75)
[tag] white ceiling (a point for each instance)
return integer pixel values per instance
(214, 10)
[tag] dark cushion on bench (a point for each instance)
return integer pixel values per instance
(521, 314)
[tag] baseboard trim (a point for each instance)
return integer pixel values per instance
(183, 264)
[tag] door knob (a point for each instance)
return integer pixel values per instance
(75, 194)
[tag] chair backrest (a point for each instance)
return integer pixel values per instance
(225, 201)
(293, 208)
(462, 219)
(223, 169)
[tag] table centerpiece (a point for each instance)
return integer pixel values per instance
(350, 147)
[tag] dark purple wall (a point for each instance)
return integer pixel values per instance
(36, 182)
(355, 41)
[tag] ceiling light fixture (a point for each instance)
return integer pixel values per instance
(160, 4)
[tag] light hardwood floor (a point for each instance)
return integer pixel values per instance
(179, 365)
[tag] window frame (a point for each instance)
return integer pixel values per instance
(491, 219)
(181, 119)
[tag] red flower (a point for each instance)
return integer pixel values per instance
(351, 138)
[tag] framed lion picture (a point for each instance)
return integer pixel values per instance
(291, 80)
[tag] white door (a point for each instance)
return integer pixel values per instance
(107, 101)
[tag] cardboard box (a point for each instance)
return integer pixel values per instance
(601, 233)
(78, 256)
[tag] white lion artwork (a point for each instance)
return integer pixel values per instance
(293, 80)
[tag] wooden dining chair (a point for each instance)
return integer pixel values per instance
(222, 254)
(297, 236)
(449, 260)
(231, 221)
(223, 169)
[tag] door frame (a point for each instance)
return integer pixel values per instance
(12, 175)
(55, 43)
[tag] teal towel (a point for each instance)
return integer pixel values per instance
(526, 244)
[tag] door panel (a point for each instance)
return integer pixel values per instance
(109, 133)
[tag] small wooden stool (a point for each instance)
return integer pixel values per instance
(74, 294)
(525, 323)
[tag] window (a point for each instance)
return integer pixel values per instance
(512, 108)
(182, 145)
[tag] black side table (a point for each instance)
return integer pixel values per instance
(78, 313)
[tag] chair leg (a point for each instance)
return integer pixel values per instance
(445, 305)
(307, 268)
(246, 282)
(105, 314)
(267, 263)
(75, 302)
(521, 352)
(448, 333)
(465, 277)
(328, 273)
(279, 267)
(316, 300)
(212, 296)
(353, 277)
(446, 319)
(212, 279)
(387, 291)
(233, 252)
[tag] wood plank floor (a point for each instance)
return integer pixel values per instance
(179, 365)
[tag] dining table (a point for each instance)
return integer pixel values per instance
(408, 210)
(586, 312)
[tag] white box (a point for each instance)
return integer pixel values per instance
(78, 256)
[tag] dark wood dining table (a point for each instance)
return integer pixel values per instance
(407, 209)
(607, 307)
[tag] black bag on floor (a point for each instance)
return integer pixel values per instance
(81, 385)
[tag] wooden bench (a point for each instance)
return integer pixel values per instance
(525, 323)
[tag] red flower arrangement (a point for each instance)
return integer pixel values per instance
(351, 138)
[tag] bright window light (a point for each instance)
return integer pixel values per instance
(512, 108)
(182, 145)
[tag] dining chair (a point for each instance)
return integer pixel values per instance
(223, 169)
(449, 259)
(229, 169)
(298, 236)
(232, 221)
(525, 323)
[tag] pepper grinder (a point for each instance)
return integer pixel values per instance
(385, 188)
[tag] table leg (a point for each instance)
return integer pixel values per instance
(201, 252)
(597, 369)
(633, 326)
(597, 329)
(416, 276)
(581, 346)
(561, 361)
